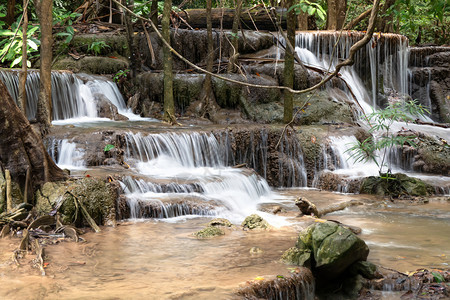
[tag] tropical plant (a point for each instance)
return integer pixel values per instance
(309, 7)
(97, 47)
(11, 45)
(382, 139)
(65, 19)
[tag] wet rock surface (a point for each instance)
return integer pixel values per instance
(328, 249)
(395, 185)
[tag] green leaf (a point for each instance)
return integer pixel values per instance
(32, 45)
(28, 64)
(438, 277)
(16, 61)
(108, 148)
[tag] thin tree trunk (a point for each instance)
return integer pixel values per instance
(385, 22)
(23, 74)
(44, 111)
(154, 12)
(169, 106)
(288, 73)
(336, 14)
(10, 12)
(130, 39)
(234, 39)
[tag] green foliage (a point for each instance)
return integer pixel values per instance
(11, 44)
(64, 18)
(438, 277)
(311, 8)
(2, 15)
(108, 148)
(121, 74)
(97, 47)
(381, 123)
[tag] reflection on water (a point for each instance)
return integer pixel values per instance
(162, 260)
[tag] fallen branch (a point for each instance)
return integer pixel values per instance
(39, 256)
(84, 212)
(309, 208)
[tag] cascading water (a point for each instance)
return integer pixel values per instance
(74, 96)
(66, 154)
(190, 167)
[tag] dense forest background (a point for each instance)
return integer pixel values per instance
(424, 22)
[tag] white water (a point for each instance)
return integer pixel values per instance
(190, 166)
(74, 96)
(67, 155)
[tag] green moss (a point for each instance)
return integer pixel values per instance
(208, 232)
(296, 256)
(220, 222)
(399, 184)
(255, 222)
(92, 65)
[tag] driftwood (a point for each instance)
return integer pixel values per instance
(308, 208)
(253, 19)
(44, 220)
(25, 240)
(5, 230)
(39, 256)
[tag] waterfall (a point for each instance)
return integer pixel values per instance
(74, 96)
(66, 154)
(381, 67)
(190, 167)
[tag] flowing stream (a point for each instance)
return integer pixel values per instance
(181, 178)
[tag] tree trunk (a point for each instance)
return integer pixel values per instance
(22, 148)
(10, 12)
(336, 14)
(288, 73)
(302, 21)
(208, 96)
(169, 106)
(154, 12)
(235, 38)
(385, 22)
(44, 109)
(248, 19)
(23, 74)
(130, 39)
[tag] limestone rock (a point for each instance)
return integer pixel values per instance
(208, 232)
(328, 248)
(255, 222)
(399, 184)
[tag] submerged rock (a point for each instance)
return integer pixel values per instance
(297, 285)
(208, 232)
(328, 248)
(255, 222)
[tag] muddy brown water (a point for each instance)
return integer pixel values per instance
(162, 260)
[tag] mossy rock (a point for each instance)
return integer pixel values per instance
(296, 256)
(328, 248)
(99, 199)
(209, 232)
(92, 65)
(322, 109)
(395, 185)
(220, 222)
(365, 268)
(255, 222)
(115, 43)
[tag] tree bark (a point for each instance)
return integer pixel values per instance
(235, 38)
(385, 23)
(44, 109)
(154, 12)
(209, 105)
(130, 39)
(308, 208)
(23, 74)
(10, 12)
(336, 14)
(169, 106)
(22, 148)
(289, 64)
(248, 19)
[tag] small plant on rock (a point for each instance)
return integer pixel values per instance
(382, 140)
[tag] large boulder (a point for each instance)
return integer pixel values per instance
(108, 110)
(395, 185)
(328, 248)
(97, 196)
